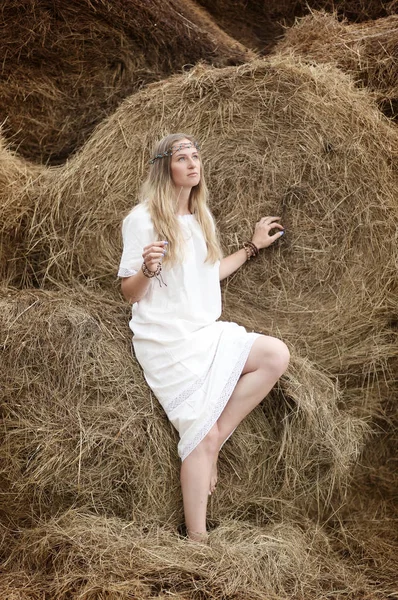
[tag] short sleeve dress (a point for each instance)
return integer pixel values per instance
(191, 360)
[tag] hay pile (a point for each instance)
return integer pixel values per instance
(81, 555)
(89, 509)
(317, 153)
(368, 51)
(81, 428)
(90, 472)
(259, 24)
(66, 65)
(253, 23)
(16, 178)
(353, 10)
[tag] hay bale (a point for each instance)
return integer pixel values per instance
(16, 178)
(366, 530)
(353, 10)
(66, 65)
(259, 24)
(76, 406)
(83, 555)
(255, 24)
(368, 51)
(80, 427)
(279, 137)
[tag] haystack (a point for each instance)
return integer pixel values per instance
(278, 137)
(354, 10)
(259, 24)
(81, 427)
(367, 527)
(17, 176)
(67, 65)
(368, 51)
(253, 23)
(82, 433)
(83, 555)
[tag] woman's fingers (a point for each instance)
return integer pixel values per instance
(276, 236)
(268, 220)
(276, 225)
(155, 250)
(155, 245)
(262, 237)
(153, 254)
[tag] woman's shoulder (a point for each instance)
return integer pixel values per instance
(138, 217)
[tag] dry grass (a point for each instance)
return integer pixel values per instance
(82, 429)
(279, 137)
(367, 51)
(354, 10)
(74, 554)
(65, 66)
(16, 178)
(259, 24)
(255, 23)
(90, 471)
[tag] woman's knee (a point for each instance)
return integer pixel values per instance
(276, 356)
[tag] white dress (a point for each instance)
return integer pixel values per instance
(191, 360)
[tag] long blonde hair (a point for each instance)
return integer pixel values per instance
(159, 191)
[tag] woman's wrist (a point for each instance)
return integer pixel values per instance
(148, 272)
(251, 250)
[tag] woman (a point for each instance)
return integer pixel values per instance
(207, 374)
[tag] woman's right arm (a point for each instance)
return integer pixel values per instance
(135, 287)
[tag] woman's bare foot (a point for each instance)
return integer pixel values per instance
(213, 477)
(198, 536)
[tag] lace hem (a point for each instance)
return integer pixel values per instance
(223, 399)
(126, 272)
(196, 385)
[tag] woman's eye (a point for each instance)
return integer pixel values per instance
(181, 158)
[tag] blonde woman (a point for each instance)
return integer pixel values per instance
(207, 374)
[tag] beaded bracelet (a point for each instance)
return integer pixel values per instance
(157, 273)
(251, 250)
(149, 273)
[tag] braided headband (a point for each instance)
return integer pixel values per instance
(174, 149)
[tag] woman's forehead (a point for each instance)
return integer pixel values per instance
(182, 145)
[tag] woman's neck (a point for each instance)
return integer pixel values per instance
(183, 207)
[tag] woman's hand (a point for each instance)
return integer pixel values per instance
(261, 236)
(153, 254)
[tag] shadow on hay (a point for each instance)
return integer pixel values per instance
(65, 66)
(260, 24)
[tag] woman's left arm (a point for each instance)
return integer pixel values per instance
(261, 239)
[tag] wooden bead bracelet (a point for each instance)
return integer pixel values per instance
(149, 273)
(251, 250)
(157, 273)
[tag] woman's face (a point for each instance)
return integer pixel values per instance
(185, 164)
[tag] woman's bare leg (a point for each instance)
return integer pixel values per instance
(267, 361)
(195, 483)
